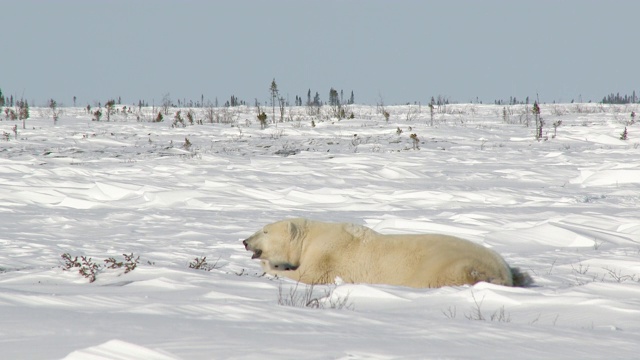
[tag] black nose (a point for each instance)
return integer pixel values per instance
(244, 242)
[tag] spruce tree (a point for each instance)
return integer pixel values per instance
(274, 95)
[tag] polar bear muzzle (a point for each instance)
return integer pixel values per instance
(256, 252)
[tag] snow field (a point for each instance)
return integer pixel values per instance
(565, 210)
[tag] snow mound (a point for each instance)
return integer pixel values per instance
(607, 177)
(118, 350)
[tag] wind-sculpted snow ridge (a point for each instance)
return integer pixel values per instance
(564, 209)
(117, 349)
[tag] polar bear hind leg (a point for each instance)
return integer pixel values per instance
(476, 271)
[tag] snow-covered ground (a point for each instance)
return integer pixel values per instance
(565, 209)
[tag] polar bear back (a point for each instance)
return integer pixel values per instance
(358, 254)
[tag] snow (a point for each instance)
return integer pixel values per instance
(564, 209)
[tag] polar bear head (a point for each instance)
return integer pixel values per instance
(278, 245)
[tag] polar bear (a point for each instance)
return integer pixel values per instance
(315, 252)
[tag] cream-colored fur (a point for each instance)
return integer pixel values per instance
(316, 252)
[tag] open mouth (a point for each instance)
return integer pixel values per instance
(256, 253)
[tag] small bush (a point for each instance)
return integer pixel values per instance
(86, 267)
(262, 117)
(90, 270)
(201, 264)
(130, 263)
(110, 107)
(624, 135)
(556, 124)
(190, 116)
(179, 121)
(97, 115)
(416, 141)
(187, 144)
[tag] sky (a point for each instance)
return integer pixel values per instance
(393, 52)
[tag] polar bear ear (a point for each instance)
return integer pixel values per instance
(293, 231)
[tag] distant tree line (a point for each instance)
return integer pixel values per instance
(512, 101)
(620, 99)
(440, 101)
(336, 98)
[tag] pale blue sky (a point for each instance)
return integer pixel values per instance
(400, 51)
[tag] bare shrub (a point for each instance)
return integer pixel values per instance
(476, 313)
(210, 113)
(413, 113)
(309, 298)
(617, 276)
(226, 116)
(558, 110)
(202, 264)
(450, 313)
(54, 110)
(166, 103)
